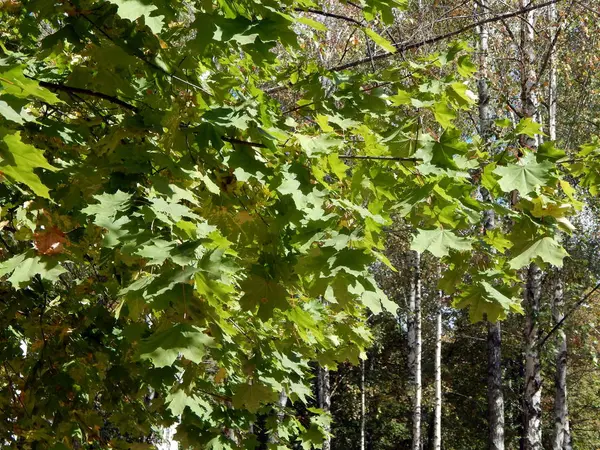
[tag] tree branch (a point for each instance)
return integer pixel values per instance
(381, 158)
(412, 45)
(568, 314)
(240, 142)
(76, 90)
(328, 14)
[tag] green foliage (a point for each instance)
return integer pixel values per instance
(439, 242)
(178, 247)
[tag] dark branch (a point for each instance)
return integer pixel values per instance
(381, 158)
(327, 14)
(240, 142)
(76, 90)
(413, 45)
(548, 54)
(568, 314)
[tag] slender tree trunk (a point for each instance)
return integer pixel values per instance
(363, 409)
(562, 439)
(414, 342)
(494, 388)
(283, 398)
(532, 398)
(324, 399)
(495, 394)
(437, 373)
(532, 401)
(553, 78)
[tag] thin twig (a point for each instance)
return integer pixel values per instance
(328, 14)
(83, 91)
(413, 45)
(383, 158)
(240, 142)
(568, 314)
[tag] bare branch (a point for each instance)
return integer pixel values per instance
(413, 45)
(568, 314)
(328, 14)
(381, 158)
(76, 90)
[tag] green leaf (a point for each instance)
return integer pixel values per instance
(524, 176)
(134, 9)
(443, 114)
(377, 301)
(465, 66)
(548, 150)
(545, 249)
(179, 399)
(164, 347)
(311, 23)
(318, 145)
(484, 300)
(9, 113)
(380, 41)
(19, 161)
(109, 205)
(252, 396)
(15, 83)
(401, 98)
(264, 295)
(25, 266)
(529, 128)
(460, 94)
(439, 242)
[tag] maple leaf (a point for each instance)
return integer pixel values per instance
(439, 242)
(50, 241)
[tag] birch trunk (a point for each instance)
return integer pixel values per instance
(532, 401)
(283, 398)
(363, 412)
(437, 372)
(562, 439)
(495, 395)
(494, 388)
(532, 396)
(553, 79)
(414, 342)
(324, 399)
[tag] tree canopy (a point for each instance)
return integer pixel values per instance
(194, 199)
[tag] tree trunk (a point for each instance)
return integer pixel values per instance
(562, 439)
(494, 388)
(414, 342)
(437, 374)
(532, 401)
(552, 82)
(495, 394)
(532, 398)
(324, 399)
(283, 398)
(363, 409)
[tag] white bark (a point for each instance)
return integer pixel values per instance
(532, 401)
(283, 398)
(363, 409)
(437, 373)
(532, 396)
(414, 342)
(324, 399)
(495, 394)
(494, 388)
(553, 78)
(562, 438)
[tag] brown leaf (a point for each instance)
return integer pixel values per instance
(50, 241)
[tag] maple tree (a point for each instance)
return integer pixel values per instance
(179, 248)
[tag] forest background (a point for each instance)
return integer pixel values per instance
(299, 224)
